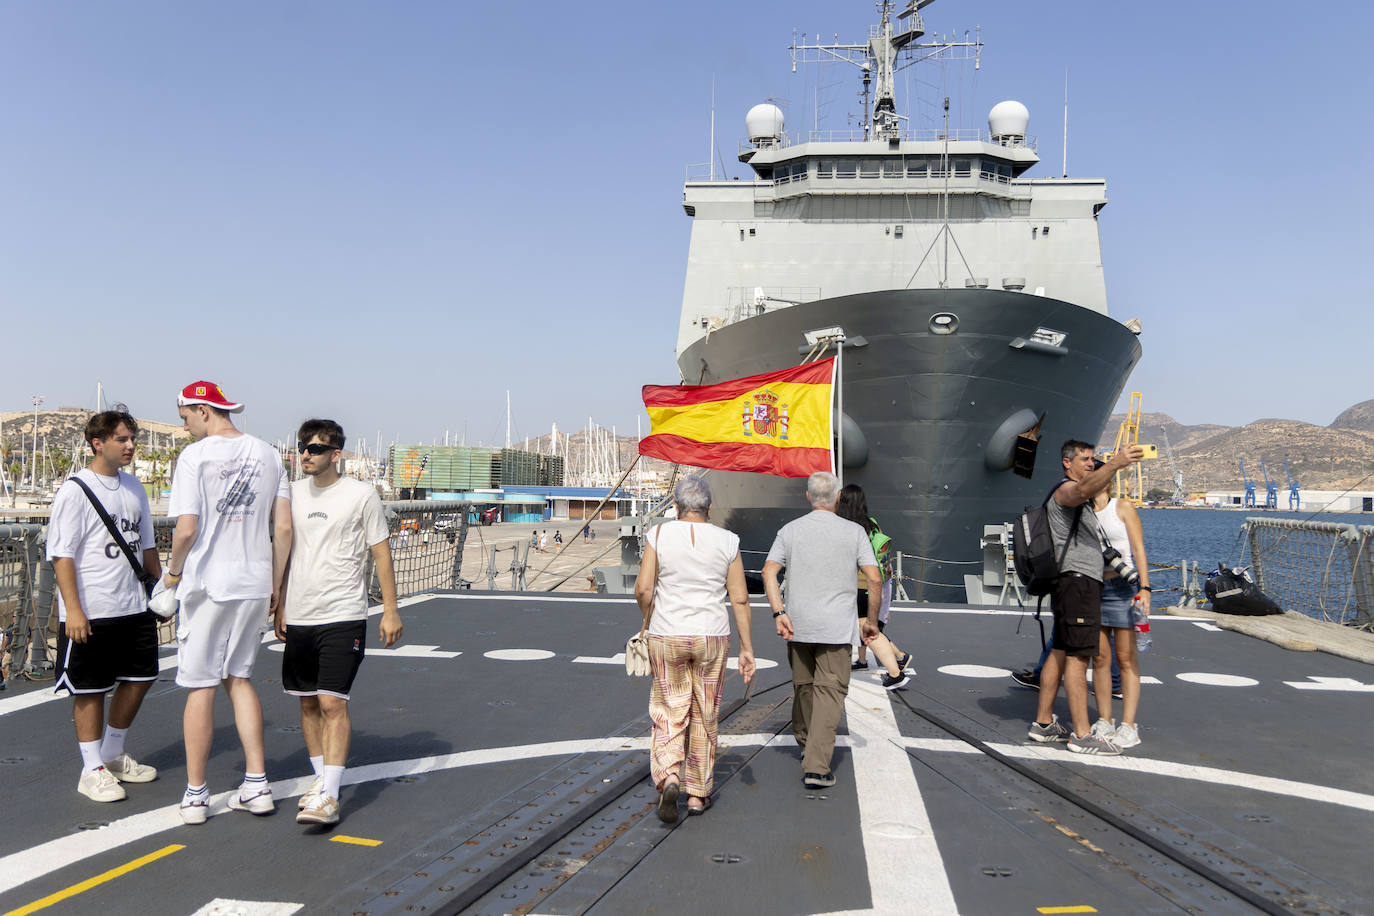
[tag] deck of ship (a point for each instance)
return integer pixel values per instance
(499, 766)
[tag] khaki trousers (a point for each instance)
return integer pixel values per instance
(820, 682)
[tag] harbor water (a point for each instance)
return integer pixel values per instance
(1209, 536)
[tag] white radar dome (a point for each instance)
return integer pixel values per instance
(763, 122)
(1007, 120)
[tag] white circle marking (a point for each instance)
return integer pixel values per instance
(1217, 680)
(518, 655)
(974, 671)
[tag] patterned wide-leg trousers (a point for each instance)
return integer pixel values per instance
(684, 701)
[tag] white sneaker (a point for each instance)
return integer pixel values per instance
(127, 769)
(308, 798)
(1127, 735)
(1104, 729)
(100, 785)
(259, 802)
(322, 810)
(195, 812)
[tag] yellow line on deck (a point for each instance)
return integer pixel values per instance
(1066, 909)
(93, 882)
(354, 840)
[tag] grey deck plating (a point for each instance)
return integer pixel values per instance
(514, 781)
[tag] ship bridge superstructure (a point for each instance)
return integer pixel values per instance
(884, 206)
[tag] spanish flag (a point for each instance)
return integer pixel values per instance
(776, 423)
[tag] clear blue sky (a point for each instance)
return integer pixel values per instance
(390, 213)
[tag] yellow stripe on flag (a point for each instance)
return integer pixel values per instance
(807, 409)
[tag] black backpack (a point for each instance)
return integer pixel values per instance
(1032, 546)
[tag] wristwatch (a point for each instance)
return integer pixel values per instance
(778, 613)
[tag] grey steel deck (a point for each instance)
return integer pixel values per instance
(497, 785)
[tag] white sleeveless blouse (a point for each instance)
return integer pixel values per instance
(690, 597)
(1114, 530)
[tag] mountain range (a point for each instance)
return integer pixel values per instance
(1334, 457)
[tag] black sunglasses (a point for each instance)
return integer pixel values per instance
(317, 448)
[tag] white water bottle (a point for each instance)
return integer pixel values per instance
(1142, 629)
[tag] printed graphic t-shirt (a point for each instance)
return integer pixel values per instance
(230, 483)
(104, 579)
(333, 530)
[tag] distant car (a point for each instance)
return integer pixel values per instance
(446, 522)
(489, 514)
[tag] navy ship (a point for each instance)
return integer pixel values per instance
(969, 301)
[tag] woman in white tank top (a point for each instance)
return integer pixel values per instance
(688, 567)
(1120, 525)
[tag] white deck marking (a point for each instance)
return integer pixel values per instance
(44, 858)
(905, 870)
(1205, 625)
(222, 906)
(518, 655)
(619, 659)
(1211, 679)
(1348, 684)
(164, 663)
(974, 671)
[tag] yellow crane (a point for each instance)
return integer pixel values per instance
(1129, 480)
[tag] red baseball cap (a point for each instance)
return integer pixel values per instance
(208, 393)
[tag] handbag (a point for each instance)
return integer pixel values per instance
(637, 646)
(145, 578)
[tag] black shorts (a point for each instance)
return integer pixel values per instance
(863, 609)
(323, 659)
(118, 649)
(1077, 606)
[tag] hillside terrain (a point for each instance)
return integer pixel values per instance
(1320, 457)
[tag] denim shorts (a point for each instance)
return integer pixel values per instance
(1117, 595)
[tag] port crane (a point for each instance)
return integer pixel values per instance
(1294, 498)
(1177, 475)
(1271, 488)
(1249, 502)
(1128, 480)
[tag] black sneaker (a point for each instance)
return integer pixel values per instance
(859, 666)
(1027, 677)
(905, 661)
(892, 683)
(818, 780)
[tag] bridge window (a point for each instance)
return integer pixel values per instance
(868, 168)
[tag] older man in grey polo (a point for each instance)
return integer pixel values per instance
(820, 552)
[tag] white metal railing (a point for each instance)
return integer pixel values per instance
(859, 135)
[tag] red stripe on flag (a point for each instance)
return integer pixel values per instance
(737, 456)
(817, 373)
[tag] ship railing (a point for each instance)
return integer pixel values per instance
(1322, 569)
(931, 181)
(859, 135)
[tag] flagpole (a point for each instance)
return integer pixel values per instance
(839, 399)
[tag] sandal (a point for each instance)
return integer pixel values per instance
(694, 810)
(667, 801)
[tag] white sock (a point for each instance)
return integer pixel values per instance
(90, 755)
(333, 780)
(113, 745)
(196, 793)
(317, 764)
(255, 781)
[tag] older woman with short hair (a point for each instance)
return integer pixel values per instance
(689, 567)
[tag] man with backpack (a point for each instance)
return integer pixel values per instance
(1077, 595)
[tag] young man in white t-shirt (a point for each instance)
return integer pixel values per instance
(228, 491)
(108, 638)
(335, 523)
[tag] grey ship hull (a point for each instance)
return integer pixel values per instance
(928, 405)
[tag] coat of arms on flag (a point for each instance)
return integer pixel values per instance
(775, 423)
